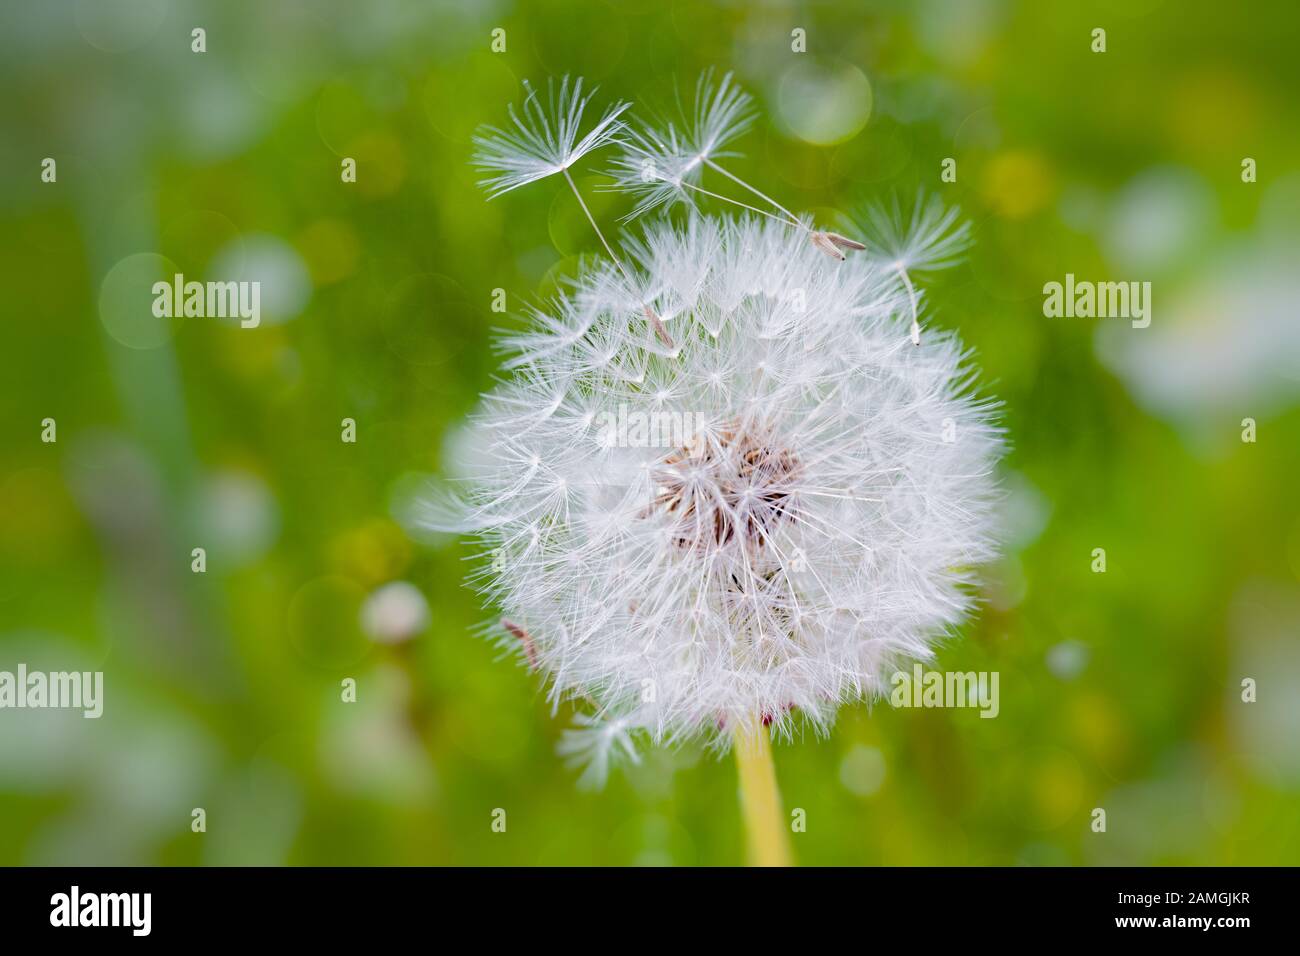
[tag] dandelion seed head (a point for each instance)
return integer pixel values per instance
(803, 531)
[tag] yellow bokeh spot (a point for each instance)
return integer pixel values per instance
(1293, 549)
(371, 554)
(1095, 724)
(1056, 788)
(39, 520)
(331, 250)
(251, 358)
(381, 163)
(1214, 111)
(1017, 184)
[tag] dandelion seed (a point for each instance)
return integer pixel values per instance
(596, 745)
(843, 242)
(927, 239)
(525, 640)
(826, 244)
(657, 171)
(544, 140)
(722, 114)
(658, 325)
(663, 168)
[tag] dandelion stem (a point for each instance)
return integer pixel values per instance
(737, 202)
(761, 195)
(655, 322)
(760, 801)
(911, 295)
(591, 219)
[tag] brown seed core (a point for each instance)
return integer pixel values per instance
(734, 480)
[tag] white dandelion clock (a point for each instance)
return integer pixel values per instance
(747, 530)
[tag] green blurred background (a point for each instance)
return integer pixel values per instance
(1119, 690)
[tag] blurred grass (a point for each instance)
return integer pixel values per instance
(223, 689)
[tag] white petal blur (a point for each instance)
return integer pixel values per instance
(760, 524)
